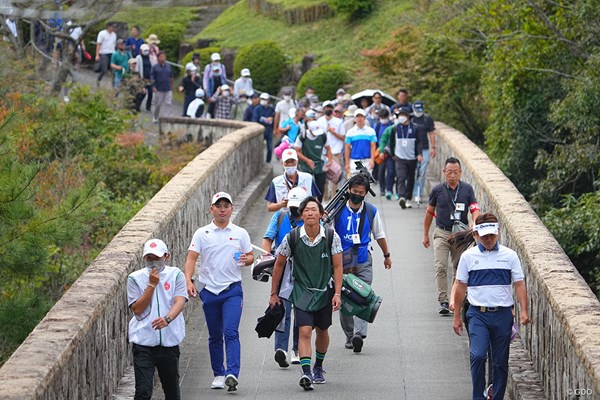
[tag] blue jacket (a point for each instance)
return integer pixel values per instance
(260, 113)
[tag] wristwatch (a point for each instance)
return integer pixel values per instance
(168, 319)
(386, 255)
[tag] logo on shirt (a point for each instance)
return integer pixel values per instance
(232, 238)
(167, 286)
(324, 255)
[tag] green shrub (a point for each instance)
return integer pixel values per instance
(170, 36)
(204, 56)
(353, 9)
(266, 62)
(326, 79)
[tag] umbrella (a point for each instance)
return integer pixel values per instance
(368, 94)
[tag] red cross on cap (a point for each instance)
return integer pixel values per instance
(152, 245)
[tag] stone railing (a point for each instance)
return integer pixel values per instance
(561, 346)
(80, 349)
(293, 16)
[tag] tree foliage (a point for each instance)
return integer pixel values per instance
(325, 79)
(170, 35)
(267, 64)
(353, 9)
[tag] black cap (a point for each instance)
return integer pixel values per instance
(266, 324)
(403, 110)
(255, 95)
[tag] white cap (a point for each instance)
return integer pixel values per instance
(360, 111)
(225, 87)
(190, 67)
(487, 228)
(144, 47)
(199, 92)
(289, 154)
(328, 103)
(245, 72)
(296, 196)
(156, 247)
(219, 196)
(215, 57)
(315, 128)
(264, 96)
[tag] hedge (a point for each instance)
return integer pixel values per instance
(170, 36)
(326, 80)
(267, 65)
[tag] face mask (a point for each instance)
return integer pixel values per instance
(340, 98)
(264, 102)
(290, 170)
(225, 94)
(402, 119)
(145, 52)
(160, 265)
(287, 98)
(328, 112)
(294, 212)
(418, 114)
(356, 199)
(384, 120)
(249, 101)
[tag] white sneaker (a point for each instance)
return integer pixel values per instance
(408, 205)
(218, 383)
(231, 382)
(295, 357)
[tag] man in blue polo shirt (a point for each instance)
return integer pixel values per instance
(360, 142)
(354, 224)
(281, 224)
(224, 248)
(488, 271)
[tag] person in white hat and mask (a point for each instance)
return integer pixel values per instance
(244, 82)
(196, 107)
(144, 68)
(214, 77)
(223, 101)
(264, 114)
(277, 195)
(224, 249)
(309, 145)
(189, 84)
(361, 142)
(156, 294)
(489, 272)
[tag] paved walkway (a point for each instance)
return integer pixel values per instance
(411, 352)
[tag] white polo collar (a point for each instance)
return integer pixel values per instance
(320, 236)
(214, 227)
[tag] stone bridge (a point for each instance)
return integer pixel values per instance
(80, 350)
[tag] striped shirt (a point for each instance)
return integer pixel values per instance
(489, 275)
(360, 139)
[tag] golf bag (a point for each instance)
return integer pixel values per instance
(359, 299)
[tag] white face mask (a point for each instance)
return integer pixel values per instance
(418, 114)
(290, 170)
(145, 52)
(249, 101)
(160, 265)
(402, 119)
(226, 94)
(384, 121)
(264, 102)
(287, 98)
(340, 98)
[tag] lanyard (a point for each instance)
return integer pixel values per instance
(401, 131)
(455, 195)
(290, 185)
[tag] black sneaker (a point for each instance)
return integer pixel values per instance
(357, 343)
(306, 382)
(402, 202)
(348, 344)
(231, 382)
(281, 358)
(444, 308)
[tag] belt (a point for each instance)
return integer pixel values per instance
(444, 228)
(489, 309)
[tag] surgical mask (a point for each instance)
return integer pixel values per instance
(356, 199)
(418, 114)
(145, 52)
(340, 98)
(328, 112)
(384, 120)
(290, 170)
(287, 98)
(402, 119)
(160, 265)
(264, 102)
(225, 94)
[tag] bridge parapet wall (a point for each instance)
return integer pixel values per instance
(80, 349)
(563, 339)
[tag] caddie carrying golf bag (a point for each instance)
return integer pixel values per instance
(359, 299)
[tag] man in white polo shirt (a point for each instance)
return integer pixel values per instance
(223, 248)
(277, 195)
(105, 47)
(488, 271)
(157, 295)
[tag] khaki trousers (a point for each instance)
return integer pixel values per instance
(441, 249)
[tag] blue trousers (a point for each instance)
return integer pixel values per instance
(489, 329)
(223, 313)
(282, 338)
(421, 170)
(387, 174)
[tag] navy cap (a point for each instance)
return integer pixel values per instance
(418, 106)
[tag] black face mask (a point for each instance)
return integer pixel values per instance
(328, 112)
(294, 212)
(356, 199)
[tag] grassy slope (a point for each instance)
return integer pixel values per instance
(332, 40)
(145, 17)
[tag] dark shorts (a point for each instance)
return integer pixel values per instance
(320, 318)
